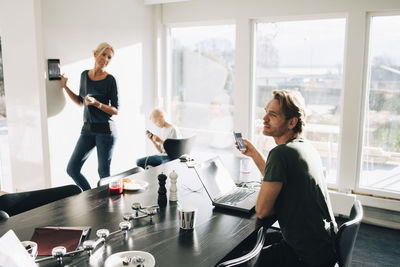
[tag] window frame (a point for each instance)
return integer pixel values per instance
(363, 117)
(353, 98)
(335, 185)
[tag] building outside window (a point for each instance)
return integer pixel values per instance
(306, 56)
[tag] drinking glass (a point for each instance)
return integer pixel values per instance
(115, 187)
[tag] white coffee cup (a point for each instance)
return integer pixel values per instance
(31, 247)
(187, 217)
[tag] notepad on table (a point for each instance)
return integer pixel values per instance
(50, 236)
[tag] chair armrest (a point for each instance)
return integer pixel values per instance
(249, 256)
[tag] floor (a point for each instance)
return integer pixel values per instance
(376, 246)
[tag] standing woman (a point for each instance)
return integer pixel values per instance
(98, 94)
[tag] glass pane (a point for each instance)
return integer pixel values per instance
(203, 61)
(381, 144)
(306, 56)
(5, 172)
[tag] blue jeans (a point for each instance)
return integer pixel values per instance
(84, 147)
(154, 160)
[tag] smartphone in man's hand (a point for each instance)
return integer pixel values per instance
(239, 141)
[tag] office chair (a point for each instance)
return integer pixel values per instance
(15, 203)
(3, 216)
(250, 255)
(346, 235)
(177, 147)
(109, 179)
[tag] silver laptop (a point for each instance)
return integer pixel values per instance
(222, 189)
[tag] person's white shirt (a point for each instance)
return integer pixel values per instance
(168, 132)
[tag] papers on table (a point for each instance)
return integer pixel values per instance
(12, 253)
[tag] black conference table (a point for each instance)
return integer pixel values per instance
(217, 231)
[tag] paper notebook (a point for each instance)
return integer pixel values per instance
(49, 237)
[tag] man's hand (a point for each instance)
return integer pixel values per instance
(149, 135)
(252, 151)
(157, 139)
(250, 148)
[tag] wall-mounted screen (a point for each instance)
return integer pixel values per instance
(54, 69)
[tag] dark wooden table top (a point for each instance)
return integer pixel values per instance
(216, 233)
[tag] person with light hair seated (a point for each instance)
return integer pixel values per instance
(165, 130)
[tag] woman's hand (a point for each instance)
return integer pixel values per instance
(74, 97)
(64, 80)
(91, 101)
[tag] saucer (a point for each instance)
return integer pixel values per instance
(116, 259)
(135, 185)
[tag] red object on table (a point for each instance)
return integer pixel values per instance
(49, 237)
(115, 189)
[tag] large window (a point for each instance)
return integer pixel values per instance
(5, 174)
(203, 61)
(381, 143)
(306, 56)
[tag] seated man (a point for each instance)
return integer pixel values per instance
(293, 189)
(165, 130)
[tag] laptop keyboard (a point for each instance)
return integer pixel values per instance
(236, 196)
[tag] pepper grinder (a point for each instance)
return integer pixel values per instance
(162, 190)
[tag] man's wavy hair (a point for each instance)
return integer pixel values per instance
(293, 106)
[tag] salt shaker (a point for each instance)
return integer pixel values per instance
(173, 191)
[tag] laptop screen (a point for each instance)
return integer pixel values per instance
(215, 177)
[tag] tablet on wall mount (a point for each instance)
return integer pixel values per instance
(54, 69)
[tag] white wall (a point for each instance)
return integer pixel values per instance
(72, 29)
(21, 36)
(33, 31)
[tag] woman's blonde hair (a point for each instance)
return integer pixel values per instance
(103, 46)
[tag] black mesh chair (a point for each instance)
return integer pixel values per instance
(109, 179)
(15, 203)
(347, 234)
(250, 255)
(177, 147)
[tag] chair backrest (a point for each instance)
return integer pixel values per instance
(250, 255)
(109, 179)
(177, 147)
(3, 216)
(347, 233)
(15, 203)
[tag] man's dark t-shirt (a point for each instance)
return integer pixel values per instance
(302, 207)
